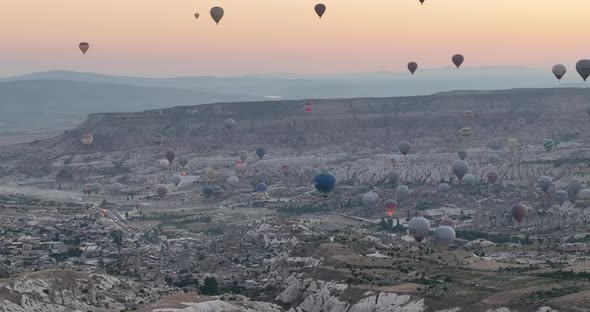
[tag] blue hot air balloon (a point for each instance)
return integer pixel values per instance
(260, 152)
(325, 182)
(261, 187)
(208, 191)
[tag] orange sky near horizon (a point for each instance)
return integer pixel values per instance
(162, 38)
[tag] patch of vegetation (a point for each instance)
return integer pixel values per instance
(545, 295)
(566, 275)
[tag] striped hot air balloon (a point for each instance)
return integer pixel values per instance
(548, 144)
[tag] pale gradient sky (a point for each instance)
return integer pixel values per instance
(162, 38)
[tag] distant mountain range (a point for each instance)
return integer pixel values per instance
(376, 84)
(50, 102)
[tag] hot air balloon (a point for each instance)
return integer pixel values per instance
(308, 107)
(443, 188)
(207, 191)
(229, 124)
(210, 174)
(285, 169)
(422, 1)
(559, 71)
(217, 191)
(393, 177)
(374, 194)
(183, 161)
(84, 46)
(390, 205)
(197, 15)
(217, 14)
(116, 187)
(369, 200)
(404, 147)
(462, 154)
(492, 177)
(444, 236)
(513, 144)
(583, 68)
(87, 139)
(87, 189)
(162, 191)
(519, 212)
(402, 191)
(320, 9)
(170, 155)
(412, 67)
(157, 139)
(465, 132)
(574, 187)
(63, 177)
(163, 163)
(243, 155)
(469, 179)
(95, 188)
(325, 182)
(584, 194)
(561, 196)
(260, 152)
(419, 228)
(175, 179)
(261, 187)
(233, 180)
(460, 168)
(458, 60)
(544, 182)
(548, 144)
(240, 165)
(448, 222)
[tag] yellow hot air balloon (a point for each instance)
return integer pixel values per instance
(513, 144)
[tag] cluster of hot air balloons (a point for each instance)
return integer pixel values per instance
(582, 67)
(443, 236)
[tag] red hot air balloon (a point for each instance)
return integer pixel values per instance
(84, 46)
(240, 165)
(320, 9)
(448, 222)
(390, 205)
(308, 107)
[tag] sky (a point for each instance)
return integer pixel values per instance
(162, 37)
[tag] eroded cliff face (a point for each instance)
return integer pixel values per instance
(309, 295)
(348, 124)
(67, 291)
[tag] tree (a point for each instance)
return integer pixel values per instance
(126, 214)
(210, 286)
(63, 177)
